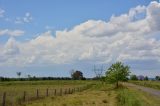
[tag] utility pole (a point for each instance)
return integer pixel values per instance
(98, 71)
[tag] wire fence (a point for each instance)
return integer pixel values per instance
(20, 98)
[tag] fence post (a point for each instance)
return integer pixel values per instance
(47, 92)
(37, 93)
(72, 90)
(55, 92)
(69, 91)
(65, 91)
(24, 96)
(61, 92)
(4, 99)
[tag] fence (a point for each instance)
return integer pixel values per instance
(12, 100)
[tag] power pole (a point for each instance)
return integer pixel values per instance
(98, 71)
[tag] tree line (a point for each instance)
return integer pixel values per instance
(114, 74)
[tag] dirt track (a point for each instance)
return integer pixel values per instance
(151, 91)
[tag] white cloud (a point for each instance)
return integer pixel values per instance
(2, 12)
(11, 47)
(26, 19)
(127, 37)
(11, 32)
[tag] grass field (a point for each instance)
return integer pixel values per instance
(15, 89)
(151, 84)
(99, 94)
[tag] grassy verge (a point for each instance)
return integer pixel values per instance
(151, 84)
(134, 97)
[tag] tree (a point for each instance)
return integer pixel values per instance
(157, 78)
(77, 75)
(146, 78)
(133, 77)
(117, 72)
(19, 74)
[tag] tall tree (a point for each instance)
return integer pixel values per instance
(157, 78)
(117, 72)
(77, 75)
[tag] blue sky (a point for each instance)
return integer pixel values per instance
(51, 37)
(60, 14)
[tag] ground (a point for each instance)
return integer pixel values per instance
(97, 94)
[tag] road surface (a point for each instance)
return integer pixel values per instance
(151, 91)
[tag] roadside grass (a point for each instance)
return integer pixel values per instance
(134, 97)
(98, 95)
(151, 84)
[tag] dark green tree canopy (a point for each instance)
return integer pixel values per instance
(157, 78)
(146, 78)
(117, 72)
(133, 77)
(77, 75)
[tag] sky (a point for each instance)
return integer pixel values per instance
(52, 37)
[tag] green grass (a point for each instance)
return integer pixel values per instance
(98, 95)
(134, 97)
(127, 97)
(151, 84)
(15, 89)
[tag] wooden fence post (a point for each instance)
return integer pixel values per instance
(24, 96)
(55, 91)
(65, 91)
(47, 92)
(37, 94)
(74, 90)
(69, 91)
(4, 99)
(61, 92)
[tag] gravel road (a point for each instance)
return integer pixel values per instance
(151, 91)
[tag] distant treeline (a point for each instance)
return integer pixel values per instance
(38, 78)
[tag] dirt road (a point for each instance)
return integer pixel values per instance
(151, 91)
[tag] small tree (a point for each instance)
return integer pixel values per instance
(157, 78)
(133, 77)
(117, 72)
(146, 78)
(19, 74)
(77, 75)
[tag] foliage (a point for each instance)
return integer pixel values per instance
(146, 78)
(133, 77)
(157, 78)
(117, 72)
(77, 75)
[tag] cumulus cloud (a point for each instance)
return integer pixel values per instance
(11, 47)
(128, 37)
(11, 32)
(2, 12)
(26, 19)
